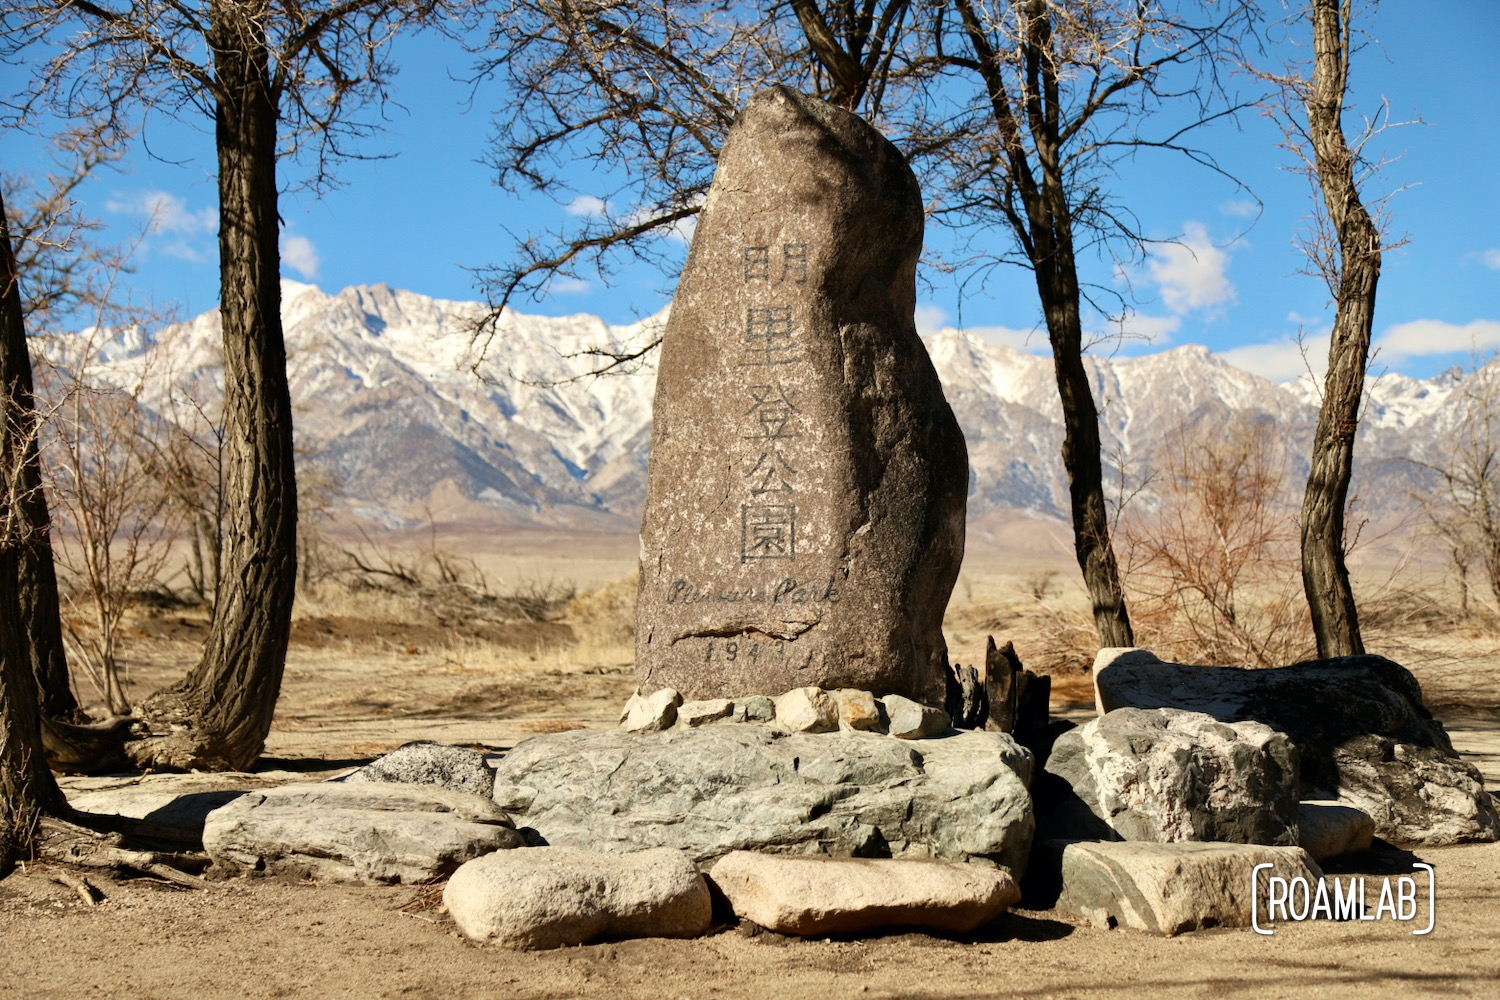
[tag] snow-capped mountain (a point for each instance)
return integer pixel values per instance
(392, 407)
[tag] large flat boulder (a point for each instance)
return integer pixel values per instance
(1169, 888)
(554, 897)
(813, 896)
(1167, 775)
(804, 518)
(1361, 728)
(366, 833)
(719, 789)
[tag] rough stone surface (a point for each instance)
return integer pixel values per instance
(650, 712)
(808, 896)
(805, 504)
(807, 710)
(368, 833)
(910, 720)
(718, 789)
(1327, 829)
(1169, 888)
(427, 763)
(1167, 775)
(1362, 730)
(757, 708)
(858, 711)
(179, 802)
(699, 713)
(554, 897)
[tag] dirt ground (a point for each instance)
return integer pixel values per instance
(361, 680)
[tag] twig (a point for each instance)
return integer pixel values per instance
(87, 892)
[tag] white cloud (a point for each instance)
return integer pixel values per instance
(1156, 330)
(1240, 208)
(1491, 258)
(563, 285)
(299, 253)
(167, 213)
(682, 230)
(931, 318)
(1284, 359)
(1192, 273)
(1423, 337)
(587, 205)
(1031, 340)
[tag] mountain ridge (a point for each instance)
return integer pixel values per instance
(394, 405)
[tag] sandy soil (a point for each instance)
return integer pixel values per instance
(358, 685)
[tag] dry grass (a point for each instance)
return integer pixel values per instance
(1405, 616)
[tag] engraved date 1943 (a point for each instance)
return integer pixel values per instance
(746, 650)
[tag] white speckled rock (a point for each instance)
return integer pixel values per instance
(1363, 734)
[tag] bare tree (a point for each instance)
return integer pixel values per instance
(1014, 113)
(1345, 250)
(27, 788)
(275, 78)
(47, 234)
(1208, 565)
(1462, 501)
(114, 521)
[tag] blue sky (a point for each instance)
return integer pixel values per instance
(419, 218)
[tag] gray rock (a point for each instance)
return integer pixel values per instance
(804, 517)
(178, 802)
(650, 713)
(718, 789)
(1327, 829)
(757, 708)
(701, 713)
(807, 710)
(367, 833)
(1167, 775)
(554, 897)
(1170, 888)
(1363, 733)
(811, 896)
(910, 720)
(427, 763)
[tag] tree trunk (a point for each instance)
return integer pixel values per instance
(1046, 233)
(1080, 454)
(39, 618)
(27, 788)
(1325, 577)
(229, 698)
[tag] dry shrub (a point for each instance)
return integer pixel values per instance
(606, 615)
(1212, 572)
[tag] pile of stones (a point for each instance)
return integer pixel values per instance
(798, 821)
(801, 710)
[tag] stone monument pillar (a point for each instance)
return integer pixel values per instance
(805, 510)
